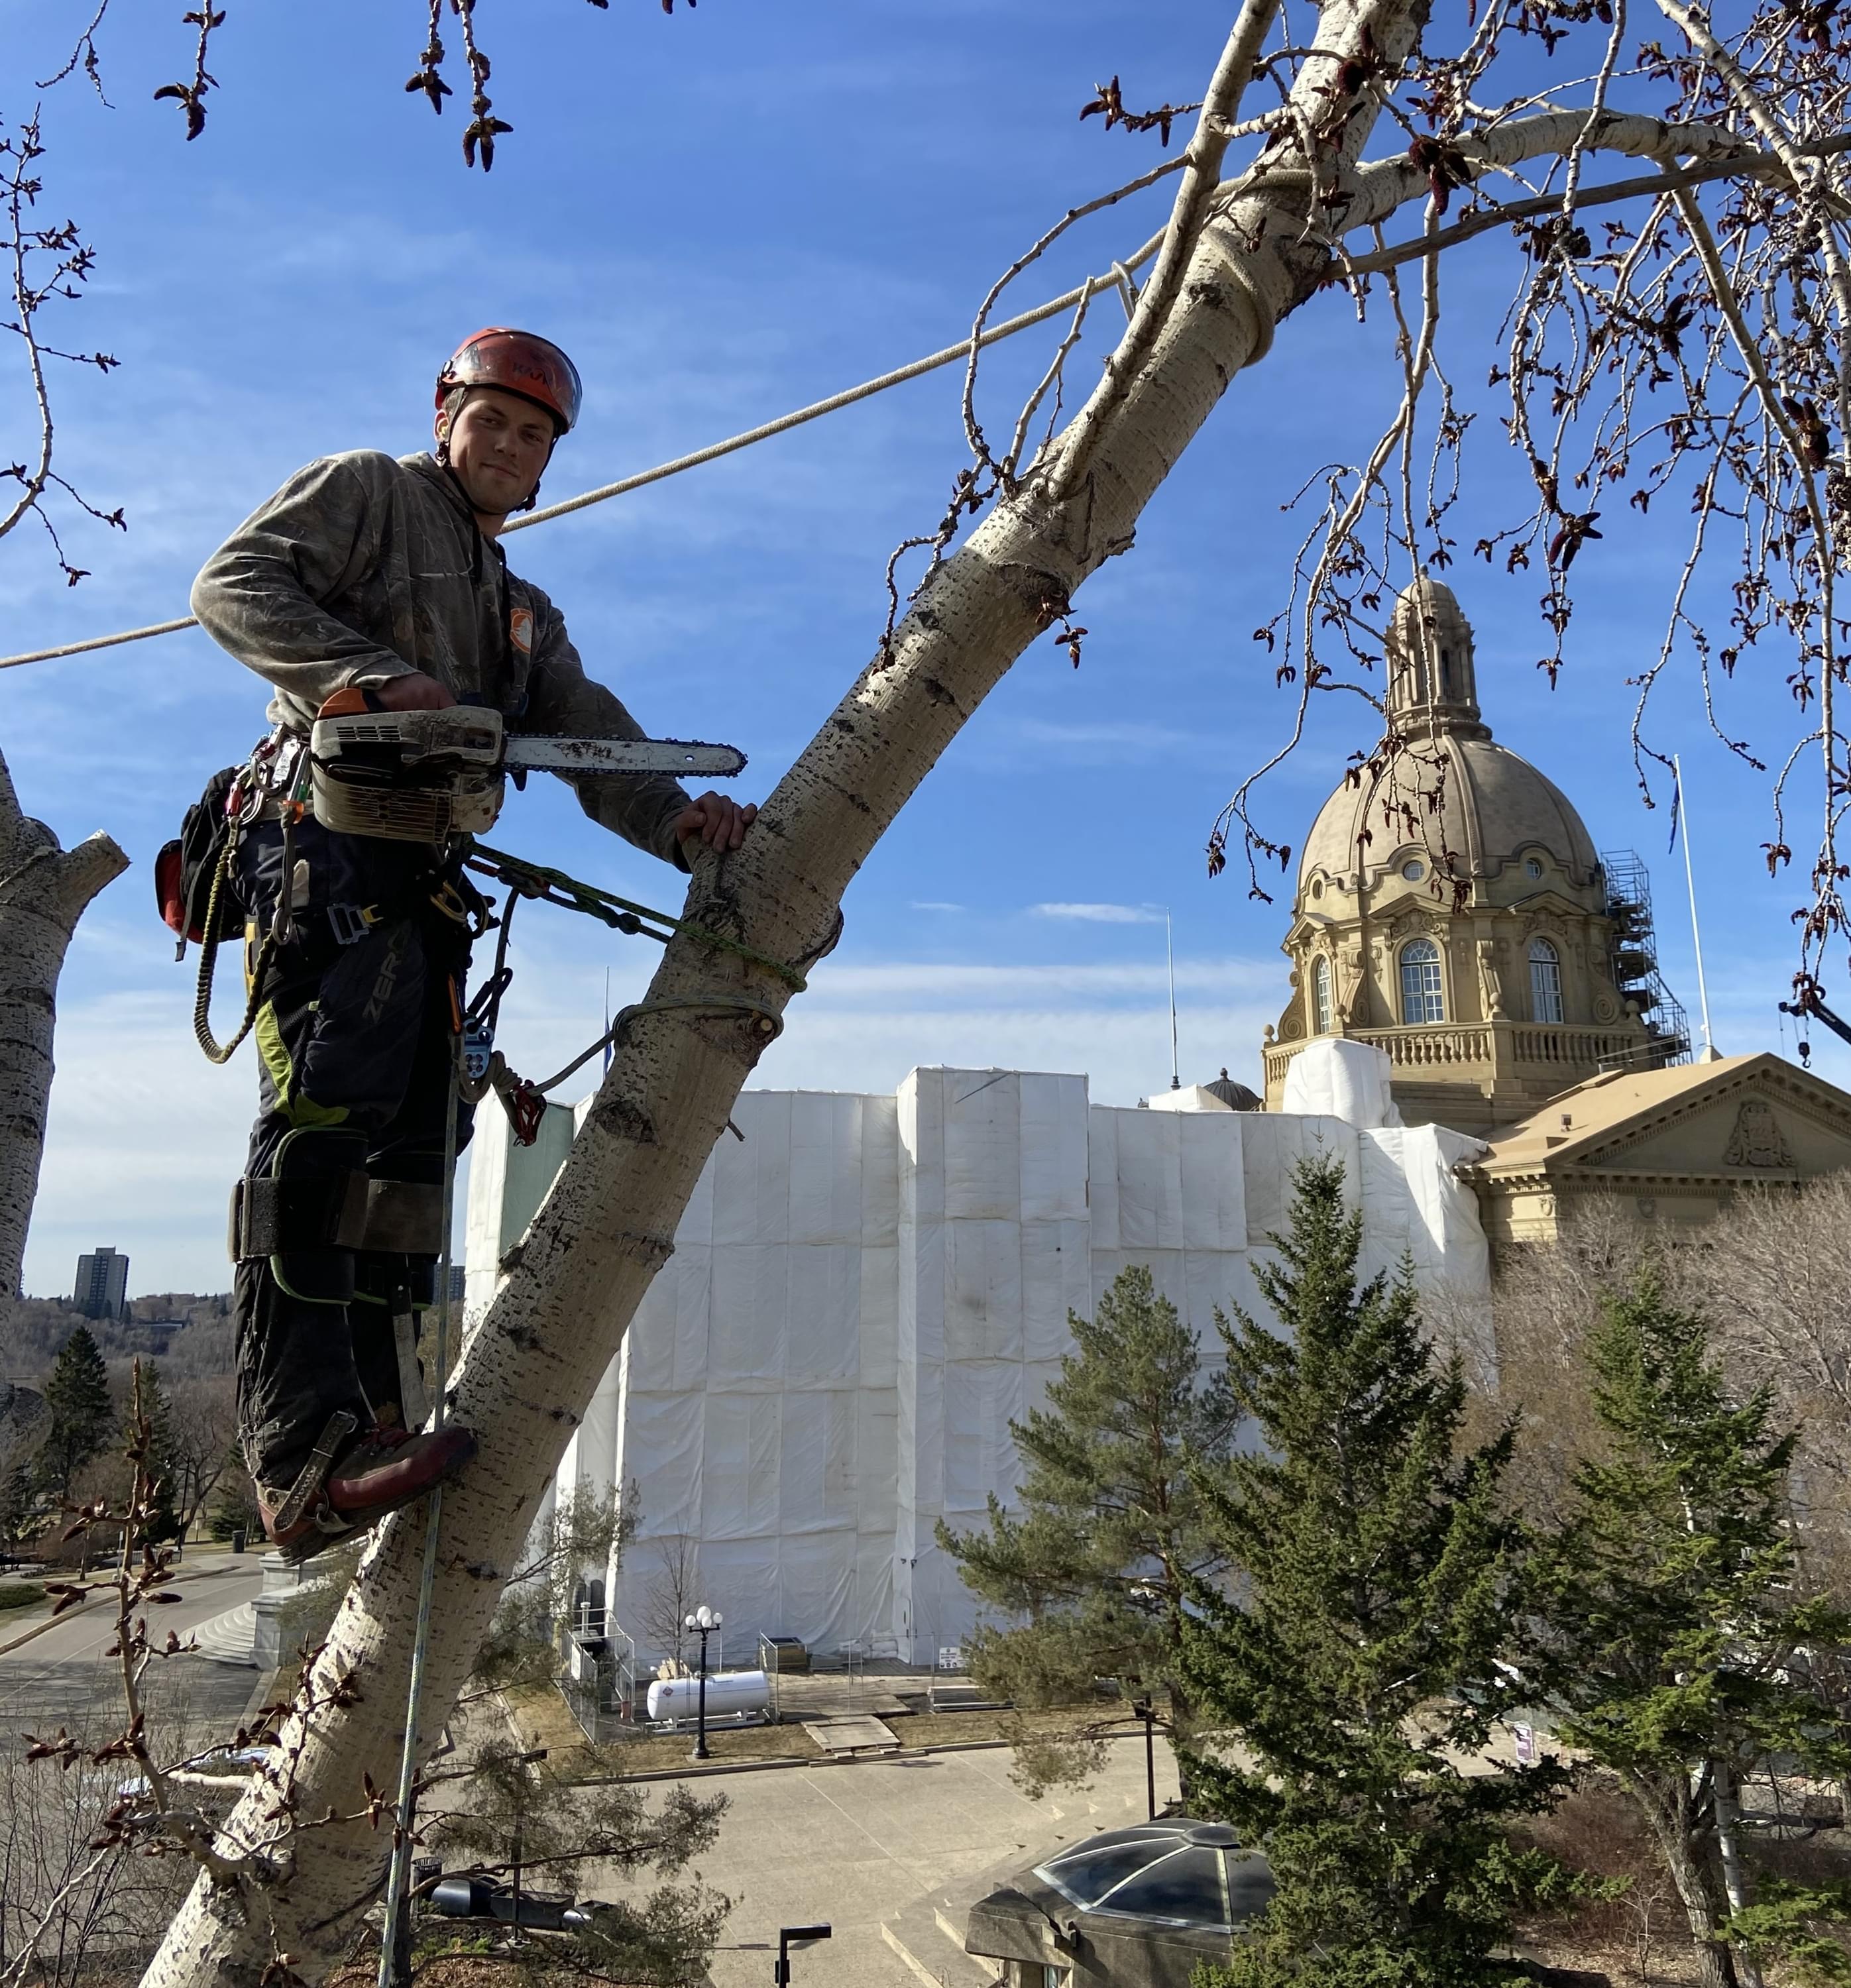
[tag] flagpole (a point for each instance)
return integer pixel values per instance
(1703, 987)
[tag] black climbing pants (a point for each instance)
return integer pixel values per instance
(354, 1038)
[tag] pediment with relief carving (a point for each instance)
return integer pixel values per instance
(1723, 1124)
(1767, 1129)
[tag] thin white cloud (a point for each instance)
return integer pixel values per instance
(1101, 914)
(933, 904)
(1065, 984)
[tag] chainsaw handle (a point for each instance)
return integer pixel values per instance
(351, 702)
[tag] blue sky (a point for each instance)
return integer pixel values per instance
(723, 215)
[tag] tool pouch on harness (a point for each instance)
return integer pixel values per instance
(185, 869)
(307, 1215)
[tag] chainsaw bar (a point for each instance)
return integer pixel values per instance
(621, 755)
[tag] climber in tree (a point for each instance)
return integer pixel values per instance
(382, 575)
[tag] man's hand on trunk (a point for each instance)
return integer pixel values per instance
(715, 820)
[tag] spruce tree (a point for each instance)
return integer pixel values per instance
(18, 1510)
(1092, 1562)
(1356, 1659)
(83, 1418)
(1680, 1630)
(164, 1522)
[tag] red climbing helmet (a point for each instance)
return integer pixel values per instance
(517, 362)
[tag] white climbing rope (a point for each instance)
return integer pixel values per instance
(1111, 280)
(399, 1872)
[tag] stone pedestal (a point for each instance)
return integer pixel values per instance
(281, 1581)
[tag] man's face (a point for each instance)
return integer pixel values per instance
(498, 446)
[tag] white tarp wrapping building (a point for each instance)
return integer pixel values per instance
(866, 1290)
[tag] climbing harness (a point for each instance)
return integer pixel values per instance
(251, 798)
(481, 1067)
(275, 775)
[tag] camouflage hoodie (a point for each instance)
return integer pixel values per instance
(362, 567)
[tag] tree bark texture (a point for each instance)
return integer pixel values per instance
(44, 889)
(532, 1363)
(1737, 1884)
(1668, 1807)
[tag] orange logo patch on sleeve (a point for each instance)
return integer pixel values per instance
(520, 629)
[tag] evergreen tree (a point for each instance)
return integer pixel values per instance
(83, 1418)
(1357, 1658)
(1680, 1626)
(1109, 1529)
(164, 1522)
(19, 1518)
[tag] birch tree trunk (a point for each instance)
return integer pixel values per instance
(1668, 1808)
(1734, 1873)
(44, 890)
(530, 1367)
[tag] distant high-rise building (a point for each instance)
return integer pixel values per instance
(103, 1284)
(458, 1272)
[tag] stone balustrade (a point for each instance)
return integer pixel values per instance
(1444, 1045)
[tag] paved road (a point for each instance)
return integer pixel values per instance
(855, 1845)
(63, 1679)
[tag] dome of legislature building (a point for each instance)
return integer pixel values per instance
(1452, 910)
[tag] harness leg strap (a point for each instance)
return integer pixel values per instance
(307, 1215)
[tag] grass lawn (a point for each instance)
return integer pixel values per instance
(543, 1719)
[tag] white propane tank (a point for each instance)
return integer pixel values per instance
(727, 1691)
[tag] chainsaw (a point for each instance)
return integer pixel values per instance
(424, 775)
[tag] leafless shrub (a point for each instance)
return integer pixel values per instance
(1546, 1299)
(202, 1420)
(581, 1538)
(1770, 1275)
(1597, 1831)
(672, 1595)
(66, 1907)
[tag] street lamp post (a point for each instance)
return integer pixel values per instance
(703, 1622)
(1146, 1710)
(790, 1936)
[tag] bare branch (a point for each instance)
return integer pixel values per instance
(1195, 198)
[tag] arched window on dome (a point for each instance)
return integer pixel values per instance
(1422, 999)
(1320, 995)
(1545, 982)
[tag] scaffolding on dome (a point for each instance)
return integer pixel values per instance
(1636, 970)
